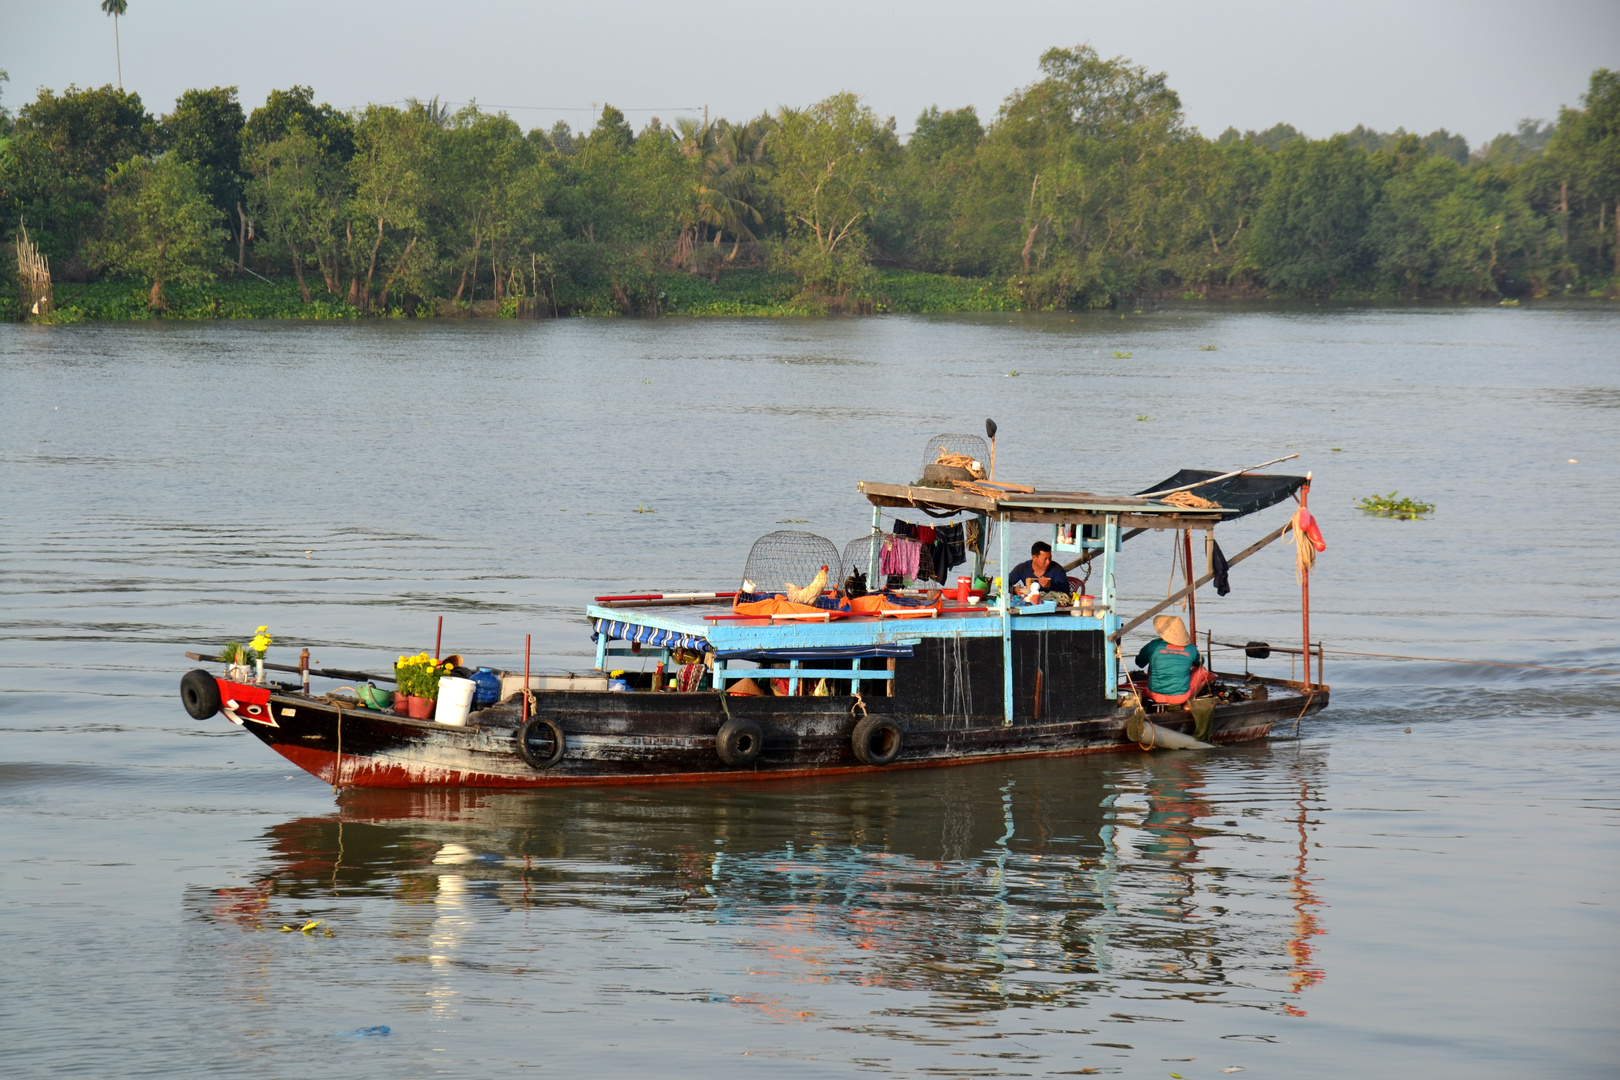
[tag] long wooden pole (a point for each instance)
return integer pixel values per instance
(1192, 597)
(1305, 595)
(438, 638)
(1213, 479)
(1205, 580)
(526, 678)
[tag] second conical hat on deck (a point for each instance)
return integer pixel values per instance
(1172, 629)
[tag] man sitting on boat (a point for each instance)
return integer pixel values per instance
(1176, 673)
(1039, 568)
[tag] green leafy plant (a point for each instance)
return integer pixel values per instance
(1122, 356)
(1390, 506)
(234, 652)
(419, 675)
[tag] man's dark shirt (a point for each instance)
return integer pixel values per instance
(1025, 570)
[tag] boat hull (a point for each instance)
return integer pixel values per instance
(657, 738)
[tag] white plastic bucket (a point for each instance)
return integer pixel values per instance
(455, 696)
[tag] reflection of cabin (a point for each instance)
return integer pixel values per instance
(33, 276)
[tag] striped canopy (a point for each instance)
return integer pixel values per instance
(647, 635)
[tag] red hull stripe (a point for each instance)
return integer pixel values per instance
(372, 773)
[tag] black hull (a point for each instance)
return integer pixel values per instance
(646, 738)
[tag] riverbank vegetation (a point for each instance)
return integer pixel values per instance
(1086, 189)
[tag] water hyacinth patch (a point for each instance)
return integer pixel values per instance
(1393, 507)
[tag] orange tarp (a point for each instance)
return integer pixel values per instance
(778, 606)
(878, 604)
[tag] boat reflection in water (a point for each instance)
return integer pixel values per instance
(1042, 882)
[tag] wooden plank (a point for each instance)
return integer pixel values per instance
(1205, 580)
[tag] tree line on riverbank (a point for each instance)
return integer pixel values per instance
(1087, 187)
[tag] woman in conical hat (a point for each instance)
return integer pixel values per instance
(1171, 629)
(1176, 672)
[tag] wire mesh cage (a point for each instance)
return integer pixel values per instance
(955, 448)
(788, 556)
(859, 555)
(953, 457)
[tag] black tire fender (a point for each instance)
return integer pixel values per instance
(541, 742)
(199, 693)
(739, 742)
(877, 740)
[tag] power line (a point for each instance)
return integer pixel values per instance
(557, 108)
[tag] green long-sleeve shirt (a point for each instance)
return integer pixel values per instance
(1169, 666)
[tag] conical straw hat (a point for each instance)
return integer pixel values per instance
(1172, 629)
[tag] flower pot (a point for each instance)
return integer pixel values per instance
(401, 705)
(420, 708)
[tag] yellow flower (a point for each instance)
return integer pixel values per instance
(262, 629)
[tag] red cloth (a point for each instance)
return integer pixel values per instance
(1198, 678)
(925, 535)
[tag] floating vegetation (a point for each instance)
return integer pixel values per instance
(1122, 356)
(1012, 375)
(644, 509)
(1390, 506)
(1206, 348)
(1144, 417)
(1337, 449)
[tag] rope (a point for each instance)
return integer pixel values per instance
(860, 703)
(1304, 550)
(1479, 663)
(1190, 501)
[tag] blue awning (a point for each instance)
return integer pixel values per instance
(831, 652)
(647, 635)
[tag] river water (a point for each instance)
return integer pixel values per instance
(1423, 882)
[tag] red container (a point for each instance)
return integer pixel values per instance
(964, 589)
(420, 708)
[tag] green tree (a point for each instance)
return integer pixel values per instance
(1072, 178)
(492, 194)
(833, 162)
(386, 243)
(54, 171)
(160, 225)
(1309, 233)
(205, 131)
(285, 111)
(298, 190)
(918, 224)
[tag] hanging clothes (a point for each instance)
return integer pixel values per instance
(899, 556)
(953, 546)
(1218, 567)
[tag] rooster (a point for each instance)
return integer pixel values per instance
(810, 592)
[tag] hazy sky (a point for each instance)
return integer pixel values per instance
(1475, 68)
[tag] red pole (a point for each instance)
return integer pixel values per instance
(525, 678)
(438, 638)
(1192, 597)
(1305, 594)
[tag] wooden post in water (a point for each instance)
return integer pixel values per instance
(438, 639)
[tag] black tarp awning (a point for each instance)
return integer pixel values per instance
(1245, 493)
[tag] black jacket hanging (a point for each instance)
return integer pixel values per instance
(1217, 566)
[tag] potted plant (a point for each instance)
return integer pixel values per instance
(418, 679)
(237, 662)
(259, 646)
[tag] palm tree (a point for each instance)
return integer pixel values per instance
(731, 189)
(116, 8)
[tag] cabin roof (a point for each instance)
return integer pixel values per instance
(1055, 507)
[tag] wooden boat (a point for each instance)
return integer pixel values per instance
(949, 684)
